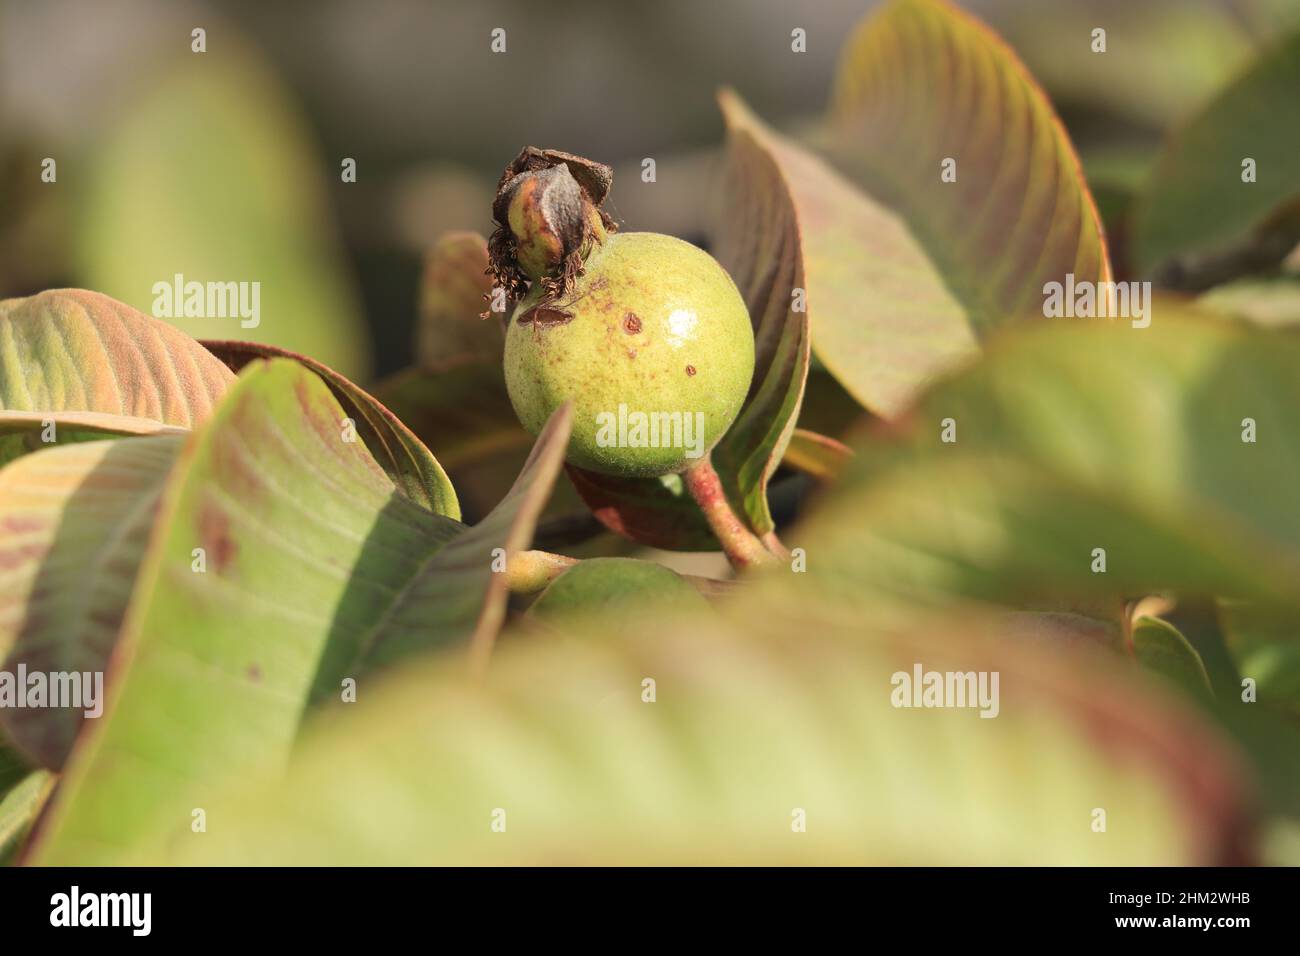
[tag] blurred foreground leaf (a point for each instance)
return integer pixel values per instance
(1074, 438)
(774, 740)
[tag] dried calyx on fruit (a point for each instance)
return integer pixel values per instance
(547, 213)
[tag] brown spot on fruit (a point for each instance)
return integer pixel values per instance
(690, 370)
(631, 323)
(545, 315)
(254, 673)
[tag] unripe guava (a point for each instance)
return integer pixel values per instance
(623, 585)
(651, 341)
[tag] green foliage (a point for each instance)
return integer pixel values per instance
(1199, 200)
(213, 149)
(304, 635)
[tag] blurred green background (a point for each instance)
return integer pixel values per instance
(226, 165)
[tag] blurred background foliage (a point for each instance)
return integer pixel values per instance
(232, 170)
(226, 166)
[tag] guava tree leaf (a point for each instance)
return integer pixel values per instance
(313, 565)
(1162, 57)
(82, 357)
(760, 243)
(24, 432)
(1265, 645)
(19, 808)
(1161, 647)
(13, 768)
(921, 83)
(1272, 302)
(455, 395)
(461, 593)
(987, 528)
(1158, 415)
(1196, 201)
(883, 320)
(209, 173)
(1275, 669)
(722, 770)
(1074, 438)
(452, 289)
(75, 521)
(82, 423)
(820, 456)
(464, 412)
(657, 512)
(406, 459)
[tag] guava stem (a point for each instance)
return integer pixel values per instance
(529, 571)
(773, 544)
(742, 547)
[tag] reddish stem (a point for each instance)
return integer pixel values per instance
(742, 548)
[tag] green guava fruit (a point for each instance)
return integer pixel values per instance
(621, 585)
(652, 342)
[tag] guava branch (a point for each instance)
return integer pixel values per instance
(742, 547)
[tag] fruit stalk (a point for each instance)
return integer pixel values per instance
(742, 547)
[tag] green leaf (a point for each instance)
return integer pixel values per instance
(756, 724)
(405, 459)
(82, 358)
(1272, 302)
(1196, 201)
(1265, 644)
(455, 396)
(209, 172)
(921, 83)
(657, 512)
(817, 455)
(1072, 438)
(315, 568)
(13, 768)
(1275, 668)
(22, 433)
(883, 320)
(1162, 57)
(465, 413)
(19, 809)
(1160, 647)
(453, 287)
(76, 520)
(760, 244)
